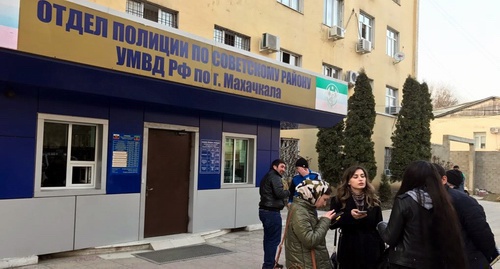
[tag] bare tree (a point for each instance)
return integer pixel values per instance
(442, 96)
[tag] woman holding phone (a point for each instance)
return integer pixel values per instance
(360, 245)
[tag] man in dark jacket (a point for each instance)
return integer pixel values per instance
(272, 201)
(479, 241)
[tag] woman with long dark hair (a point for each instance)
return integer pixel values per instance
(360, 245)
(423, 230)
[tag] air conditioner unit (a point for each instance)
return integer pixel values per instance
(351, 77)
(393, 110)
(387, 172)
(494, 130)
(363, 46)
(336, 32)
(270, 42)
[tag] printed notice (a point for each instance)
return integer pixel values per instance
(210, 156)
(126, 154)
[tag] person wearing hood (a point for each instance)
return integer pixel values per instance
(306, 234)
(423, 231)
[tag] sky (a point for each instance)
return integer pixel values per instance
(459, 47)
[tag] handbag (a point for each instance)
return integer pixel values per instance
(333, 257)
(280, 247)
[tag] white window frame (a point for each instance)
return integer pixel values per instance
(99, 166)
(480, 140)
(333, 12)
(392, 42)
(240, 41)
(391, 94)
(366, 27)
(296, 5)
(251, 159)
(131, 6)
(332, 71)
(295, 59)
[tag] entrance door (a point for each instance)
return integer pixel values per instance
(167, 183)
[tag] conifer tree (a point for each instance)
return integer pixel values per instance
(330, 152)
(427, 116)
(359, 146)
(406, 138)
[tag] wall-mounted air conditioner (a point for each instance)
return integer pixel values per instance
(494, 130)
(270, 42)
(336, 32)
(393, 110)
(351, 77)
(363, 46)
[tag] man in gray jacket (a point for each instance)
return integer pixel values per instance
(272, 201)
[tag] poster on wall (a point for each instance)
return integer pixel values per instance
(126, 154)
(210, 156)
(9, 23)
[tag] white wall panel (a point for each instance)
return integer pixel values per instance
(214, 210)
(106, 219)
(36, 226)
(247, 206)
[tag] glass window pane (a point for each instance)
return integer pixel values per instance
(241, 161)
(54, 155)
(83, 144)
(228, 160)
(82, 175)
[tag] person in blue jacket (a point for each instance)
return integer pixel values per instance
(303, 173)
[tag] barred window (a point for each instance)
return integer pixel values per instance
(231, 38)
(153, 13)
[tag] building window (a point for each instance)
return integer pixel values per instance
(293, 4)
(239, 158)
(71, 155)
(391, 100)
(479, 140)
(153, 13)
(333, 12)
(231, 38)
(289, 58)
(392, 42)
(332, 71)
(366, 27)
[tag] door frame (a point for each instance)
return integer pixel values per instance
(193, 175)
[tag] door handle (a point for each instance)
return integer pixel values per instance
(149, 189)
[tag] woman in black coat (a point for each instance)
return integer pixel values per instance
(360, 245)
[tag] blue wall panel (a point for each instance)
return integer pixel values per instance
(17, 167)
(263, 164)
(73, 104)
(172, 115)
(124, 119)
(18, 112)
(210, 128)
(264, 132)
(239, 125)
(275, 137)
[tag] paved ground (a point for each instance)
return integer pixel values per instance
(246, 247)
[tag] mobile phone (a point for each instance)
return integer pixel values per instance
(362, 212)
(338, 214)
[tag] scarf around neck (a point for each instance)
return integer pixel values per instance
(421, 197)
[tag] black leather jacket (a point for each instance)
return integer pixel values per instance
(478, 238)
(409, 244)
(272, 194)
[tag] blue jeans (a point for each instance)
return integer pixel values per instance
(271, 221)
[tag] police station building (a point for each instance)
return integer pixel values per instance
(113, 129)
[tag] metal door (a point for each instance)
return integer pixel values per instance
(167, 183)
